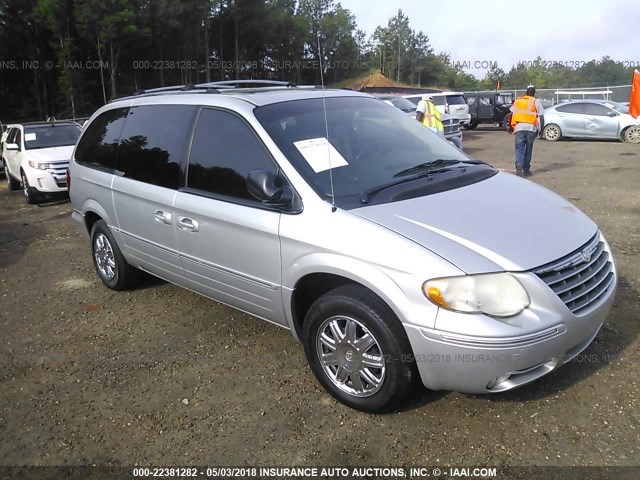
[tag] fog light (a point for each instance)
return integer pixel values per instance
(497, 381)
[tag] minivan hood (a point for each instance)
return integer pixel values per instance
(502, 223)
(53, 154)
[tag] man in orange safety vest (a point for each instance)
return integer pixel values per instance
(526, 123)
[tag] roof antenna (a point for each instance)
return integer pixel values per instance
(326, 128)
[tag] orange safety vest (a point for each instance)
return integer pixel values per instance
(525, 111)
(432, 116)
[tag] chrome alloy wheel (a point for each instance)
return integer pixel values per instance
(105, 259)
(350, 356)
(551, 133)
(632, 135)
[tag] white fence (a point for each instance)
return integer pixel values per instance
(617, 93)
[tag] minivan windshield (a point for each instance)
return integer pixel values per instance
(51, 135)
(370, 145)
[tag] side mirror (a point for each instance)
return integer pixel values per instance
(611, 113)
(11, 146)
(265, 186)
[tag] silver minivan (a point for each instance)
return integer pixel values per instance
(391, 255)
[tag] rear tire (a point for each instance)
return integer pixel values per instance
(551, 132)
(12, 183)
(506, 122)
(470, 126)
(111, 266)
(29, 192)
(358, 350)
(632, 134)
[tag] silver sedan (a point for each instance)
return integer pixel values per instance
(590, 119)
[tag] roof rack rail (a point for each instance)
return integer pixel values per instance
(242, 83)
(226, 86)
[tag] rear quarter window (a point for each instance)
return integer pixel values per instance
(455, 100)
(99, 144)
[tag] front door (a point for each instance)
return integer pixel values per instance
(600, 121)
(228, 241)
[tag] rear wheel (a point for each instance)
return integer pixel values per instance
(111, 266)
(358, 350)
(29, 192)
(471, 126)
(506, 122)
(551, 132)
(12, 183)
(632, 135)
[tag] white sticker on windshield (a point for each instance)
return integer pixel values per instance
(29, 137)
(320, 154)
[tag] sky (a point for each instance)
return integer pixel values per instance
(479, 33)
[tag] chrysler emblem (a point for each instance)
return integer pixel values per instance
(586, 255)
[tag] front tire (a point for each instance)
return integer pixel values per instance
(111, 266)
(358, 350)
(632, 135)
(12, 183)
(29, 192)
(551, 132)
(470, 126)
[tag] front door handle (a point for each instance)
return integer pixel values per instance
(186, 223)
(163, 217)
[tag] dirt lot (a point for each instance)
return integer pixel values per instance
(160, 376)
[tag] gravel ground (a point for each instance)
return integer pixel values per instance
(161, 376)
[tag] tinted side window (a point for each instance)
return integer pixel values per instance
(11, 136)
(595, 109)
(18, 138)
(471, 101)
(99, 144)
(154, 142)
(570, 108)
(224, 151)
(486, 101)
(439, 100)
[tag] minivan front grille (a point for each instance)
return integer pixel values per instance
(581, 278)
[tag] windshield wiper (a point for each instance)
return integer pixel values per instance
(434, 166)
(418, 171)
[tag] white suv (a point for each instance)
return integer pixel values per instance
(452, 103)
(37, 155)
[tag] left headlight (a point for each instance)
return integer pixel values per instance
(494, 294)
(38, 165)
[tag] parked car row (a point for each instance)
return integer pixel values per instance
(597, 119)
(450, 123)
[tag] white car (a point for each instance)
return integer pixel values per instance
(36, 157)
(452, 103)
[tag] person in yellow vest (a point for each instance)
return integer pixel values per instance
(429, 116)
(526, 124)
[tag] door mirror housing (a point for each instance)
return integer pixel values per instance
(266, 186)
(611, 113)
(12, 146)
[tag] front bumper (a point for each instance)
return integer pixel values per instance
(473, 364)
(47, 181)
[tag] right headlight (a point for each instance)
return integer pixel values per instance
(494, 294)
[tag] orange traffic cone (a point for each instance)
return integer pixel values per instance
(634, 97)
